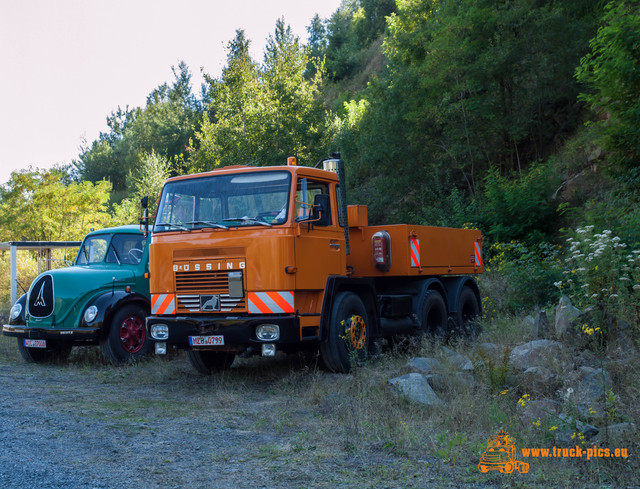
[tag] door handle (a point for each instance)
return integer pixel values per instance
(335, 245)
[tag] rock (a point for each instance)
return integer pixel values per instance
(535, 353)
(594, 384)
(540, 409)
(459, 360)
(566, 314)
(538, 380)
(424, 365)
(542, 325)
(621, 430)
(416, 388)
(570, 425)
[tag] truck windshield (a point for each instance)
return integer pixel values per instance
(118, 248)
(245, 199)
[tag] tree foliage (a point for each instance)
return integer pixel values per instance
(262, 113)
(611, 72)
(42, 205)
(165, 126)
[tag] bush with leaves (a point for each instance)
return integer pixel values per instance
(604, 274)
(526, 274)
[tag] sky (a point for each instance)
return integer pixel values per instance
(65, 65)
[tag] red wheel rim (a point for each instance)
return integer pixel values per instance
(132, 334)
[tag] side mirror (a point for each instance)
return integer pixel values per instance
(321, 210)
(144, 215)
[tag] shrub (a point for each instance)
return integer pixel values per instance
(602, 273)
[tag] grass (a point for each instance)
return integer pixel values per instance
(349, 430)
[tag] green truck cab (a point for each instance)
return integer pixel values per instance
(103, 298)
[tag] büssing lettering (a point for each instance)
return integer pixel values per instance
(210, 266)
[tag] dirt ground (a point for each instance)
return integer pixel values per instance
(162, 425)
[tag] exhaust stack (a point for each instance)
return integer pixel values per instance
(336, 165)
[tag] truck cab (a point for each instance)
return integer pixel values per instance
(103, 298)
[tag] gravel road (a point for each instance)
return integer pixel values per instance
(162, 425)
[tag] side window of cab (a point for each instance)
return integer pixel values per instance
(313, 202)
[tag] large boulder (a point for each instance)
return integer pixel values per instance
(536, 353)
(414, 386)
(458, 360)
(424, 365)
(566, 315)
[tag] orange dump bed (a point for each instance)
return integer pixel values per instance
(414, 250)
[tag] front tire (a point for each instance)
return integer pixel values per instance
(54, 353)
(208, 362)
(127, 339)
(349, 333)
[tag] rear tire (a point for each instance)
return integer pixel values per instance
(468, 315)
(433, 319)
(349, 333)
(127, 339)
(208, 362)
(54, 353)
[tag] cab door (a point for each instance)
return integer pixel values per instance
(319, 246)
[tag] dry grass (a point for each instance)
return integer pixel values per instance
(351, 430)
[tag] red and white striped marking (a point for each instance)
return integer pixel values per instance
(478, 254)
(163, 303)
(415, 252)
(271, 302)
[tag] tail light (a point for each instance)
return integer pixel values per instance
(381, 246)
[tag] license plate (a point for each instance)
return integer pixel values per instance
(35, 343)
(206, 340)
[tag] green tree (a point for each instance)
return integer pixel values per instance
(147, 180)
(611, 72)
(165, 125)
(261, 114)
(43, 205)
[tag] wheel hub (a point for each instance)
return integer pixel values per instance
(356, 332)
(132, 334)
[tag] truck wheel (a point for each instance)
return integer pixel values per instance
(127, 338)
(434, 314)
(468, 315)
(349, 333)
(207, 362)
(54, 353)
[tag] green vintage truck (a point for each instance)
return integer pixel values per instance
(102, 299)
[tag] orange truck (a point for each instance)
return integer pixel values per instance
(254, 260)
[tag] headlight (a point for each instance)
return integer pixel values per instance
(159, 331)
(90, 314)
(268, 332)
(15, 311)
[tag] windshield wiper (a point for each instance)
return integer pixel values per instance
(247, 220)
(182, 228)
(209, 223)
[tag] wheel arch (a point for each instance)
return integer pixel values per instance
(109, 303)
(454, 286)
(362, 287)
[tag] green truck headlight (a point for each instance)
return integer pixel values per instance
(15, 311)
(90, 313)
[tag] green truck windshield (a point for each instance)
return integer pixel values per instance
(107, 248)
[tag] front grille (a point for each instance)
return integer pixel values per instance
(209, 282)
(190, 285)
